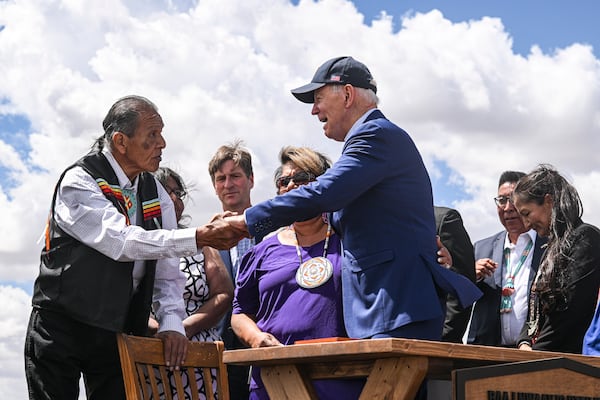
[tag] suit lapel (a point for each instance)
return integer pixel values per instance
(497, 256)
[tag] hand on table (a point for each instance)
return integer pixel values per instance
(265, 339)
(525, 347)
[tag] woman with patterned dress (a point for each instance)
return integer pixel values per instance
(208, 291)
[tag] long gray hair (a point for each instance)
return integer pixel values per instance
(122, 117)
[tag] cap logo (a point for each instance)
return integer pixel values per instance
(339, 70)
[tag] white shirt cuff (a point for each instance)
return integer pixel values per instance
(186, 239)
(171, 323)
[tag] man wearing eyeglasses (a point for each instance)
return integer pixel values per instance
(505, 266)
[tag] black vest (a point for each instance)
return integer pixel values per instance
(86, 285)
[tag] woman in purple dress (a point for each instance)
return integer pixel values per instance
(289, 285)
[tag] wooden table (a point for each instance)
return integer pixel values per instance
(395, 368)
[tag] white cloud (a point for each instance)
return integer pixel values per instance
(14, 314)
(223, 70)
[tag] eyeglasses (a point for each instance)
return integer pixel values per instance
(502, 200)
(180, 194)
(301, 178)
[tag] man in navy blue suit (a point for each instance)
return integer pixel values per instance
(380, 196)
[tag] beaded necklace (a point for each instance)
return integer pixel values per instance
(509, 287)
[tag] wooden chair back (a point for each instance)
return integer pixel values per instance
(147, 377)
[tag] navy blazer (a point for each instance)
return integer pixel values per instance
(380, 195)
(485, 326)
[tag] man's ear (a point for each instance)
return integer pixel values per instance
(119, 141)
(349, 94)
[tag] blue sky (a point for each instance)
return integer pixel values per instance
(548, 23)
(14, 131)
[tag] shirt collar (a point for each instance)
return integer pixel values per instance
(124, 181)
(362, 119)
(531, 233)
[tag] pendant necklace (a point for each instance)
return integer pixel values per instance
(316, 271)
(508, 289)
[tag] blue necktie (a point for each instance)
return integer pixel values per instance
(242, 247)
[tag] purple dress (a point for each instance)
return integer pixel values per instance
(266, 287)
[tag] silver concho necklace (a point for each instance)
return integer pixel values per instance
(316, 271)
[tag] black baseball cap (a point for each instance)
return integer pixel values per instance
(340, 70)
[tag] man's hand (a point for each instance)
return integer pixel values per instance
(152, 326)
(525, 347)
(236, 220)
(484, 267)
(176, 346)
(220, 233)
(444, 256)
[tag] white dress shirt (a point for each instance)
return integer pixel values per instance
(83, 212)
(512, 322)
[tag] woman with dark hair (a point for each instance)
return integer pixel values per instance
(564, 293)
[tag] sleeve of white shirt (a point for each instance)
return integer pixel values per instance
(169, 281)
(83, 212)
(167, 298)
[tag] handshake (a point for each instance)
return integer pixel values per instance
(223, 231)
